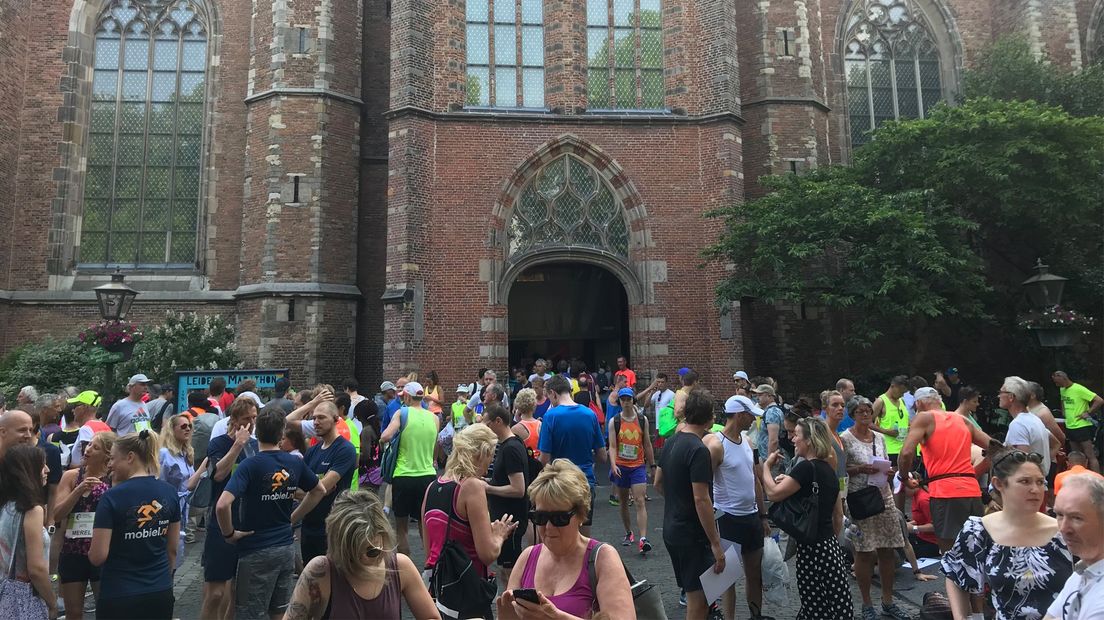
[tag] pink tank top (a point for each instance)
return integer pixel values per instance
(580, 600)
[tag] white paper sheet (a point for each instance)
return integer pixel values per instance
(713, 584)
(879, 479)
(922, 563)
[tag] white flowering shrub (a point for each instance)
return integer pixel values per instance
(185, 341)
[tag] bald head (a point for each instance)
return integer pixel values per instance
(16, 426)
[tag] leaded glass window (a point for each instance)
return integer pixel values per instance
(568, 204)
(892, 66)
(505, 53)
(145, 140)
(632, 76)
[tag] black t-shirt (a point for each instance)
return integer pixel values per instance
(53, 461)
(511, 458)
(685, 460)
(807, 471)
(952, 401)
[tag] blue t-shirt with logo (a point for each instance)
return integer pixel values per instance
(217, 449)
(138, 512)
(572, 432)
(340, 457)
(265, 484)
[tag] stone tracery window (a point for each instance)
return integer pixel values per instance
(568, 204)
(145, 141)
(892, 66)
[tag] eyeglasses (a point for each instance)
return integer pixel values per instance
(558, 518)
(1018, 457)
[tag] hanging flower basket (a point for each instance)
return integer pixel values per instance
(114, 336)
(1055, 336)
(126, 349)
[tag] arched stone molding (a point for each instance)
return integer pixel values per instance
(74, 114)
(1094, 36)
(625, 193)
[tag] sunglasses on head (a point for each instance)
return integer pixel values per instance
(1019, 457)
(558, 518)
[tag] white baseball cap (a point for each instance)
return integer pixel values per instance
(414, 389)
(741, 375)
(136, 379)
(252, 396)
(387, 385)
(463, 387)
(739, 403)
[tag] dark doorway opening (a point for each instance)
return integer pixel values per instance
(565, 311)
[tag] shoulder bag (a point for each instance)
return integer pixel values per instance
(867, 501)
(799, 517)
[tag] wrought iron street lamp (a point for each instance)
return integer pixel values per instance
(115, 298)
(1044, 289)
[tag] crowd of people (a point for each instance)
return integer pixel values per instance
(307, 500)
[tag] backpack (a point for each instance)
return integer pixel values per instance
(202, 494)
(646, 599)
(159, 418)
(457, 588)
(667, 422)
(202, 426)
(390, 458)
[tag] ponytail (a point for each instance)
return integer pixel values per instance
(144, 444)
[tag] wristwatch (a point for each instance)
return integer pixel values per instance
(51, 529)
(915, 529)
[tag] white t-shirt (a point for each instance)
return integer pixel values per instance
(127, 416)
(354, 401)
(662, 399)
(1026, 429)
(546, 376)
(1082, 598)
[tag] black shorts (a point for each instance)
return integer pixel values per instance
(75, 568)
(690, 560)
(156, 605)
(512, 546)
(950, 514)
(220, 558)
(1083, 434)
(407, 495)
(746, 530)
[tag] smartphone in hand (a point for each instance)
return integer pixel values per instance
(527, 594)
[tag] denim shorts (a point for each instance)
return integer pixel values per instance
(265, 582)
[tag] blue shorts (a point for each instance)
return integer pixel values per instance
(220, 558)
(630, 476)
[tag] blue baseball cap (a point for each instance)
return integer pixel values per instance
(626, 392)
(683, 371)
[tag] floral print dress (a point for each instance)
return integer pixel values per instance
(1022, 581)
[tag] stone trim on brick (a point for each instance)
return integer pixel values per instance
(1094, 35)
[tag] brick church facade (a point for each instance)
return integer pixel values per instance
(376, 187)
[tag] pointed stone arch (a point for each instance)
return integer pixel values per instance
(1094, 36)
(611, 176)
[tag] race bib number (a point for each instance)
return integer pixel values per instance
(628, 452)
(141, 425)
(80, 525)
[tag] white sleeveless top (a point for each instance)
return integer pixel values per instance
(734, 480)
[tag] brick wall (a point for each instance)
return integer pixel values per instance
(14, 26)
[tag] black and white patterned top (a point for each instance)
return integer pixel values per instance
(1023, 581)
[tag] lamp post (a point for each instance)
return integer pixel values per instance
(1044, 291)
(114, 299)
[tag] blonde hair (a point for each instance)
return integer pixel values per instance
(525, 401)
(357, 523)
(168, 439)
(474, 443)
(411, 376)
(560, 481)
(105, 440)
(145, 446)
(826, 397)
(819, 437)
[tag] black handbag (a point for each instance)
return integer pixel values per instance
(799, 517)
(868, 501)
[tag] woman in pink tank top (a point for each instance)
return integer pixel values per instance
(557, 568)
(358, 577)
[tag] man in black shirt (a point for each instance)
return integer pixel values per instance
(506, 490)
(685, 478)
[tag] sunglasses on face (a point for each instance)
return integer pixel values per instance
(372, 551)
(1019, 457)
(185, 427)
(558, 518)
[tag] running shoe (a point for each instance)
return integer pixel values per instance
(613, 501)
(894, 611)
(868, 613)
(628, 539)
(682, 599)
(645, 545)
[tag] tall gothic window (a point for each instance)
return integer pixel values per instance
(142, 189)
(568, 204)
(505, 53)
(631, 77)
(892, 66)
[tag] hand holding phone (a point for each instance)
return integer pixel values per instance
(528, 595)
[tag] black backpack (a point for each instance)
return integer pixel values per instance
(455, 584)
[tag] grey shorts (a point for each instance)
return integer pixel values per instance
(265, 582)
(950, 514)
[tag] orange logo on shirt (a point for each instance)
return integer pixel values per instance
(279, 478)
(146, 512)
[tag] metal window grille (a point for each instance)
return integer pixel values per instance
(505, 53)
(631, 77)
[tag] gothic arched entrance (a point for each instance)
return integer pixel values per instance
(566, 311)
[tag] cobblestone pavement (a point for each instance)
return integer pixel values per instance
(656, 568)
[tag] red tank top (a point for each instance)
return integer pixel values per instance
(947, 452)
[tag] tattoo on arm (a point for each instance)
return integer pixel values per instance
(306, 600)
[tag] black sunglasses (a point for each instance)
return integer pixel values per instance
(558, 518)
(373, 551)
(1019, 457)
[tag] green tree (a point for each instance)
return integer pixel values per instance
(1010, 70)
(52, 365)
(827, 239)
